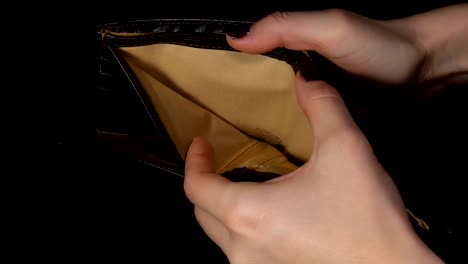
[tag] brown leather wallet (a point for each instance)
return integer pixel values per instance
(192, 83)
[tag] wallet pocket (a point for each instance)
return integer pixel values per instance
(244, 104)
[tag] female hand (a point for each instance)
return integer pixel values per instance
(340, 207)
(416, 48)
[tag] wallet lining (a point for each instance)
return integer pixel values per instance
(244, 104)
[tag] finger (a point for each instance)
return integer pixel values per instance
(213, 228)
(200, 157)
(202, 185)
(312, 30)
(352, 42)
(323, 107)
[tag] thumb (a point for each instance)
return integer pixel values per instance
(199, 157)
(202, 185)
(322, 31)
(323, 107)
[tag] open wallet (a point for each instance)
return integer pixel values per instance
(187, 82)
(193, 84)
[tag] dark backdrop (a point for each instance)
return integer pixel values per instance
(138, 213)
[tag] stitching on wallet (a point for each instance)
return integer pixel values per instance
(162, 35)
(156, 23)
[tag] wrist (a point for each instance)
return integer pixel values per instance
(442, 34)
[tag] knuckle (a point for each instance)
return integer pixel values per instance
(279, 17)
(342, 19)
(342, 27)
(278, 22)
(243, 216)
(237, 213)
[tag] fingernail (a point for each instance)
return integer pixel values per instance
(309, 71)
(237, 34)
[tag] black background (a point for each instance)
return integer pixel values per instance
(126, 211)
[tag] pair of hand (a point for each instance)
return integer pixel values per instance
(341, 206)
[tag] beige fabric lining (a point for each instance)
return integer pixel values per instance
(231, 98)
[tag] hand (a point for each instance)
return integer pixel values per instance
(339, 207)
(417, 48)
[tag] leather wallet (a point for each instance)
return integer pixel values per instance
(192, 83)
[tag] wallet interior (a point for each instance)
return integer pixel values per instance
(244, 104)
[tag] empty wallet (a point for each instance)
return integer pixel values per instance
(192, 83)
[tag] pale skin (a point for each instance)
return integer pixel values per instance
(341, 206)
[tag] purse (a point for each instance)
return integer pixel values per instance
(184, 80)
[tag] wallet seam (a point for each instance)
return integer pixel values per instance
(161, 23)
